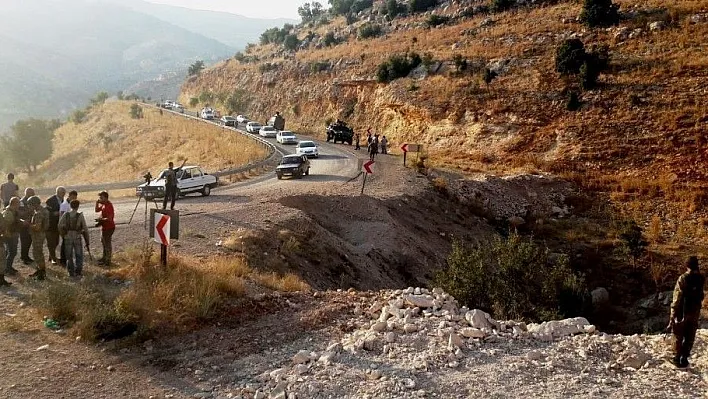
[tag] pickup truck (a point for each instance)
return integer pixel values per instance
(190, 179)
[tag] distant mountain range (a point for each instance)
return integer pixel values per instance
(56, 54)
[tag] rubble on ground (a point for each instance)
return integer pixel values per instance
(419, 343)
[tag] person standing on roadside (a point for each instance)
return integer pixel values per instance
(108, 226)
(384, 145)
(357, 139)
(3, 229)
(72, 226)
(54, 206)
(64, 208)
(686, 310)
(12, 234)
(170, 186)
(39, 223)
(26, 212)
(9, 189)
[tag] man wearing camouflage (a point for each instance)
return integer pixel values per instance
(13, 223)
(686, 310)
(39, 225)
(3, 282)
(72, 226)
(26, 212)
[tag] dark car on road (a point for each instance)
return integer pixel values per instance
(293, 165)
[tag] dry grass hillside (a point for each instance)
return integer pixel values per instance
(640, 135)
(110, 146)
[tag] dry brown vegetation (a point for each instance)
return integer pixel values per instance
(141, 297)
(110, 146)
(639, 137)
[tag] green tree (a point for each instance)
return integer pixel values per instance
(502, 5)
(193, 101)
(416, 6)
(238, 102)
(291, 42)
(514, 278)
(100, 98)
(28, 144)
(196, 68)
(570, 56)
(136, 111)
(599, 13)
(340, 7)
(78, 116)
(633, 242)
(393, 9)
(206, 97)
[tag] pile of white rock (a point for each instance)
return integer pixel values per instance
(418, 331)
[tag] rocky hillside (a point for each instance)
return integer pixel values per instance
(487, 97)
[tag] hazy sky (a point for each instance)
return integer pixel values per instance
(249, 8)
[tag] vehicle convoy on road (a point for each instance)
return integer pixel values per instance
(339, 131)
(293, 165)
(227, 120)
(242, 119)
(286, 137)
(253, 127)
(207, 113)
(190, 179)
(307, 148)
(268, 132)
(277, 121)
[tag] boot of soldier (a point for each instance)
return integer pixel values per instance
(3, 282)
(683, 362)
(39, 275)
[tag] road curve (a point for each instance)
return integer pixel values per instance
(337, 163)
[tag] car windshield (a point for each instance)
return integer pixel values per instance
(291, 161)
(228, 118)
(268, 128)
(304, 144)
(287, 134)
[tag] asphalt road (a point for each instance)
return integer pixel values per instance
(336, 163)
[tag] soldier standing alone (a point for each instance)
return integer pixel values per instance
(686, 310)
(39, 225)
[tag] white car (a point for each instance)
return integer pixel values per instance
(178, 107)
(286, 137)
(268, 132)
(308, 148)
(207, 113)
(190, 179)
(253, 127)
(242, 119)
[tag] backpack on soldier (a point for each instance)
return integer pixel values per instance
(693, 293)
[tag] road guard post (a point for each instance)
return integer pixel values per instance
(165, 227)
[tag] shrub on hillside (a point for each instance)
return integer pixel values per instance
(392, 9)
(361, 5)
(632, 239)
(570, 56)
(436, 20)
(416, 6)
(291, 42)
(513, 278)
(193, 101)
(330, 39)
(573, 103)
(599, 13)
(502, 5)
(136, 111)
(369, 30)
(78, 116)
(397, 66)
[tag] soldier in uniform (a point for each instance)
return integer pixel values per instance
(39, 225)
(13, 223)
(3, 282)
(72, 226)
(26, 212)
(686, 310)
(170, 186)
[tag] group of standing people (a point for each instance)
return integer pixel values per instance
(24, 221)
(373, 144)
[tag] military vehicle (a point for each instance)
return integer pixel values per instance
(339, 131)
(277, 121)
